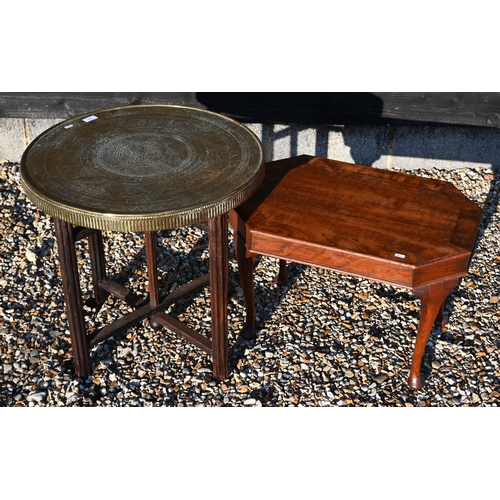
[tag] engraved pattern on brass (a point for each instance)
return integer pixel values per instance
(142, 168)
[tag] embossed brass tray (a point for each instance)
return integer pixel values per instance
(142, 168)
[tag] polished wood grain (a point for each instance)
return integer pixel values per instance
(387, 226)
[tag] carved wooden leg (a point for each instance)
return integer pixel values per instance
(281, 277)
(151, 262)
(98, 266)
(441, 318)
(73, 297)
(432, 297)
(246, 268)
(219, 280)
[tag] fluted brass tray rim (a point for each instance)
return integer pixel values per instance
(161, 220)
(156, 221)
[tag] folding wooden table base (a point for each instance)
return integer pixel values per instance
(154, 306)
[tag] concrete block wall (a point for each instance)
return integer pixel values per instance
(17, 133)
(409, 147)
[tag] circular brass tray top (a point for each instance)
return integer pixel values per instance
(142, 168)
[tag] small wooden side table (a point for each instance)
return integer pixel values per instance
(391, 227)
(145, 169)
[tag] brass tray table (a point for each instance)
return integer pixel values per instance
(142, 169)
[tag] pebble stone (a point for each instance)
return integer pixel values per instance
(323, 339)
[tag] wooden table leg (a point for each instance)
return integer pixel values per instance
(73, 297)
(431, 297)
(98, 266)
(153, 290)
(219, 278)
(151, 262)
(280, 278)
(441, 318)
(246, 269)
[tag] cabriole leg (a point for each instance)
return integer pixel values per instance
(432, 298)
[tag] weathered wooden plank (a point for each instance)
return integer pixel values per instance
(67, 104)
(479, 109)
(465, 108)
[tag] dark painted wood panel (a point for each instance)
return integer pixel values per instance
(477, 109)
(360, 108)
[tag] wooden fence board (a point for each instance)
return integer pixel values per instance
(477, 109)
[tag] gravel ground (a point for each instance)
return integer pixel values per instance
(323, 339)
